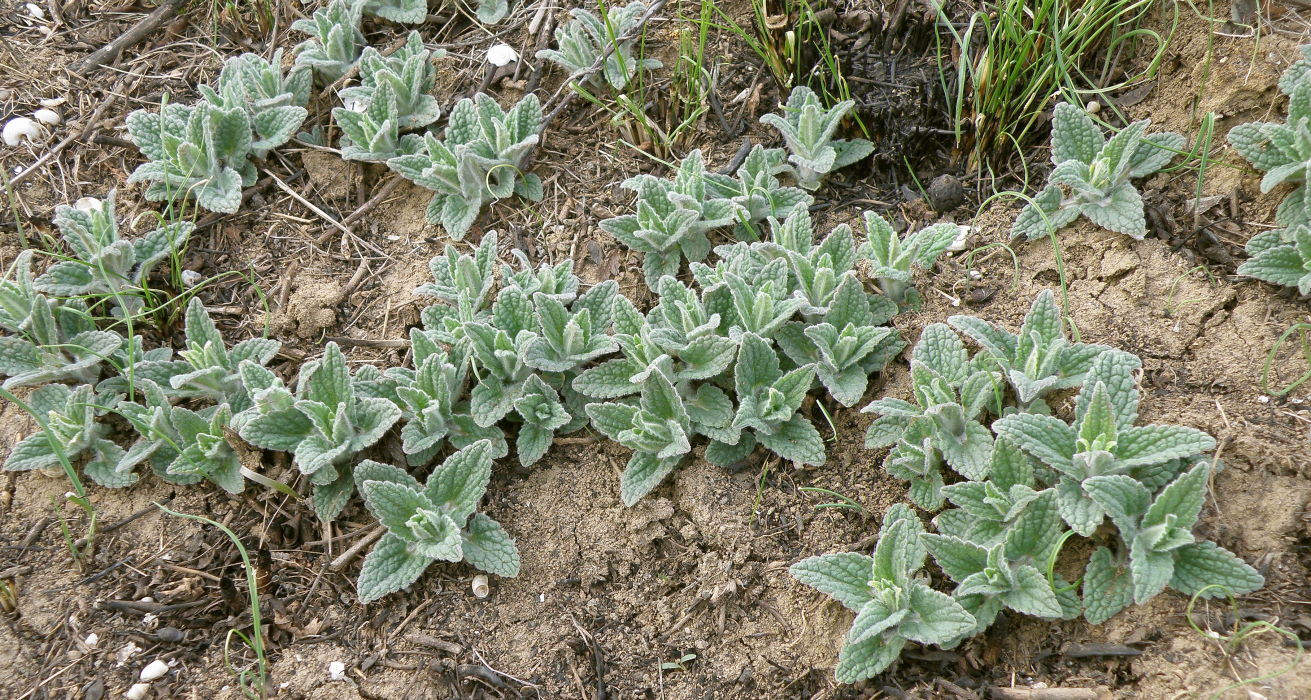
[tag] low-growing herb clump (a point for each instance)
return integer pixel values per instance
(391, 99)
(433, 521)
(807, 129)
(1031, 480)
(1093, 176)
(477, 162)
(582, 41)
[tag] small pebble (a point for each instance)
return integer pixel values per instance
(137, 691)
(337, 671)
(502, 55)
(154, 669)
(172, 635)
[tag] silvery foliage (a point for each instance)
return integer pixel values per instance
(335, 39)
(477, 162)
(68, 419)
(1157, 547)
(200, 151)
(324, 423)
(893, 604)
(894, 257)
(432, 398)
(49, 341)
(103, 265)
(433, 521)
(807, 129)
(274, 101)
(1103, 440)
(207, 369)
(181, 445)
(673, 218)
(758, 192)
(1039, 359)
(401, 11)
(706, 360)
(1029, 481)
(582, 41)
(392, 98)
(492, 11)
(954, 394)
(1093, 176)
(1283, 256)
(525, 344)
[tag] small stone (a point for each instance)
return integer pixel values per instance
(153, 670)
(137, 691)
(171, 635)
(337, 671)
(945, 193)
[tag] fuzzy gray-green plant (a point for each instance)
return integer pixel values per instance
(392, 97)
(1093, 176)
(582, 41)
(274, 101)
(104, 265)
(895, 257)
(807, 129)
(477, 162)
(893, 605)
(335, 41)
(52, 341)
(70, 417)
(434, 521)
(672, 218)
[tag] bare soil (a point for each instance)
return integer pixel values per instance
(686, 595)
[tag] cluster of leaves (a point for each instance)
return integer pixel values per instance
(1031, 480)
(203, 151)
(734, 357)
(1283, 151)
(1093, 176)
(392, 98)
(582, 41)
(477, 162)
(434, 521)
(807, 129)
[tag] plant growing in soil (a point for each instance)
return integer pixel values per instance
(335, 39)
(582, 41)
(181, 445)
(1157, 546)
(1040, 359)
(1281, 256)
(672, 218)
(207, 368)
(953, 394)
(895, 257)
(392, 97)
(1103, 440)
(478, 161)
(1093, 176)
(104, 265)
(324, 424)
(70, 419)
(892, 605)
(435, 521)
(807, 129)
(51, 341)
(757, 191)
(274, 101)
(199, 151)
(1283, 151)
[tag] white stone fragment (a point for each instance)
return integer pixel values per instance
(337, 671)
(501, 55)
(154, 669)
(20, 129)
(137, 691)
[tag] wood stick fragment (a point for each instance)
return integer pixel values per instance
(1098, 693)
(131, 37)
(345, 558)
